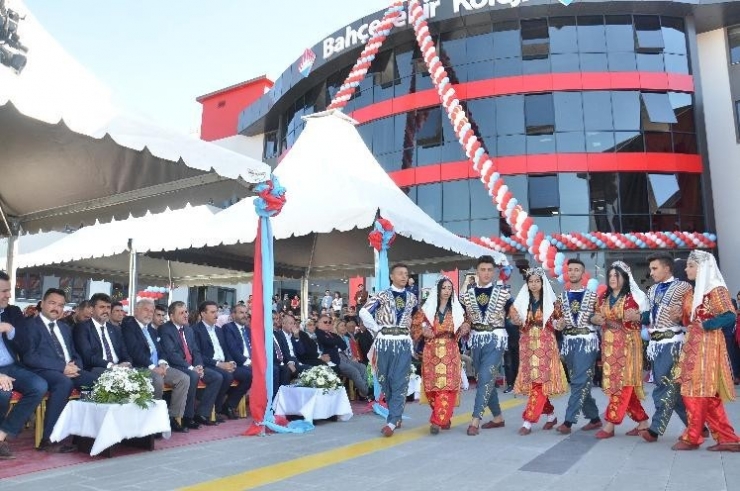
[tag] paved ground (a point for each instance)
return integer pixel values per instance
(352, 455)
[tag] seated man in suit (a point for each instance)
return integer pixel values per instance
(13, 376)
(160, 316)
(291, 344)
(181, 351)
(238, 343)
(142, 344)
(212, 345)
(97, 341)
(331, 344)
(50, 353)
(282, 364)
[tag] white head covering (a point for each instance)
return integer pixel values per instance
(432, 304)
(708, 277)
(640, 298)
(521, 303)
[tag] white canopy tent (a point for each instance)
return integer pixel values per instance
(106, 251)
(70, 156)
(319, 233)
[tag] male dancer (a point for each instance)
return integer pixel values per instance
(486, 306)
(580, 348)
(388, 314)
(666, 338)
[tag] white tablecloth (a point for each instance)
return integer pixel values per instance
(312, 403)
(108, 424)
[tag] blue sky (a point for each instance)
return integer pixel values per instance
(159, 55)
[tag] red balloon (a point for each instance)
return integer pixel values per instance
(601, 289)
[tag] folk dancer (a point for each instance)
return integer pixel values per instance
(619, 313)
(666, 335)
(703, 369)
(580, 348)
(438, 321)
(388, 314)
(541, 373)
(486, 307)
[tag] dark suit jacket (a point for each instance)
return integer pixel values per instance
(283, 343)
(136, 344)
(330, 344)
(206, 345)
(90, 346)
(41, 354)
(235, 342)
(13, 315)
(169, 339)
(309, 352)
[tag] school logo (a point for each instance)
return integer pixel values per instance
(306, 63)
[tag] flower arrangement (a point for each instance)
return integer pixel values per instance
(320, 377)
(121, 385)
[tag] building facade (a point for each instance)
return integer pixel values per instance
(603, 116)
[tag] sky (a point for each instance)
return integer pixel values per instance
(157, 56)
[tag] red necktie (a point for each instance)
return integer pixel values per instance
(185, 349)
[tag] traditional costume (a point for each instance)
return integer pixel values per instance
(388, 314)
(666, 337)
(621, 353)
(703, 368)
(541, 373)
(580, 350)
(440, 364)
(486, 308)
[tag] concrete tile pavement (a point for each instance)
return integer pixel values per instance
(497, 458)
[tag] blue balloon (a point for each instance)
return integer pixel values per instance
(644, 334)
(558, 269)
(592, 284)
(560, 245)
(559, 259)
(561, 279)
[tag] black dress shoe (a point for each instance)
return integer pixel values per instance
(177, 427)
(190, 423)
(508, 389)
(203, 421)
(220, 419)
(47, 446)
(229, 412)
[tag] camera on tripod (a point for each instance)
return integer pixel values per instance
(11, 49)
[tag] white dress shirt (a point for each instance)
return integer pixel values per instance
(103, 332)
(57, 332)
(218, 352)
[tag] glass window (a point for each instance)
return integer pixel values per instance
(594, 62)
(452, 47)
(628, 141)
(481, 204)
(518, 186)
(674, 35)
(684, 143)
(404, 60)
(428, 155)
(535, 39)
(271, 145)
(452, 151)
(479, 43)
(429, 199)
(384, 69)
(658, 142)
(509, 145)
(691, 202)
(648, 33)
(507, 67)
(563, 35)
(621, 62)
(568, 111)
(664, 192)
(383, 135)
(536, 65)
(484, 228)
(658, 107)
(570, 142)
(650, 62)
(391, 162)
(636, 223)
(510, 115)
(506, 40)
(574, 223)
(461, 228)
(633, 193)
(429, 124)
(733, 40)
(591, 34)
(481, 71)
(664, 221)
(565, 63)
(626, 110)
(540, 144)
(483, 112)
(549, 224)
(599, 141)
(539, 114)
(544, 195)
(573, 193)
(676, 63)
(455, 200)
(597, 110)
(693, 223)
(603, 192)
(619, 33)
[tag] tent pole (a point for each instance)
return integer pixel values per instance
(304, 297)
(10, 263)
(132, 273)
(169, 283)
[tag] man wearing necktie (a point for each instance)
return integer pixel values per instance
(142, 344)
(666, 335)
(97, 341)
(180, 349)
(238, 342)
(216, 357)
(13, 376)
(51, 354)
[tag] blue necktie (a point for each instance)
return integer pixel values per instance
(152, 348)
(247, 344)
